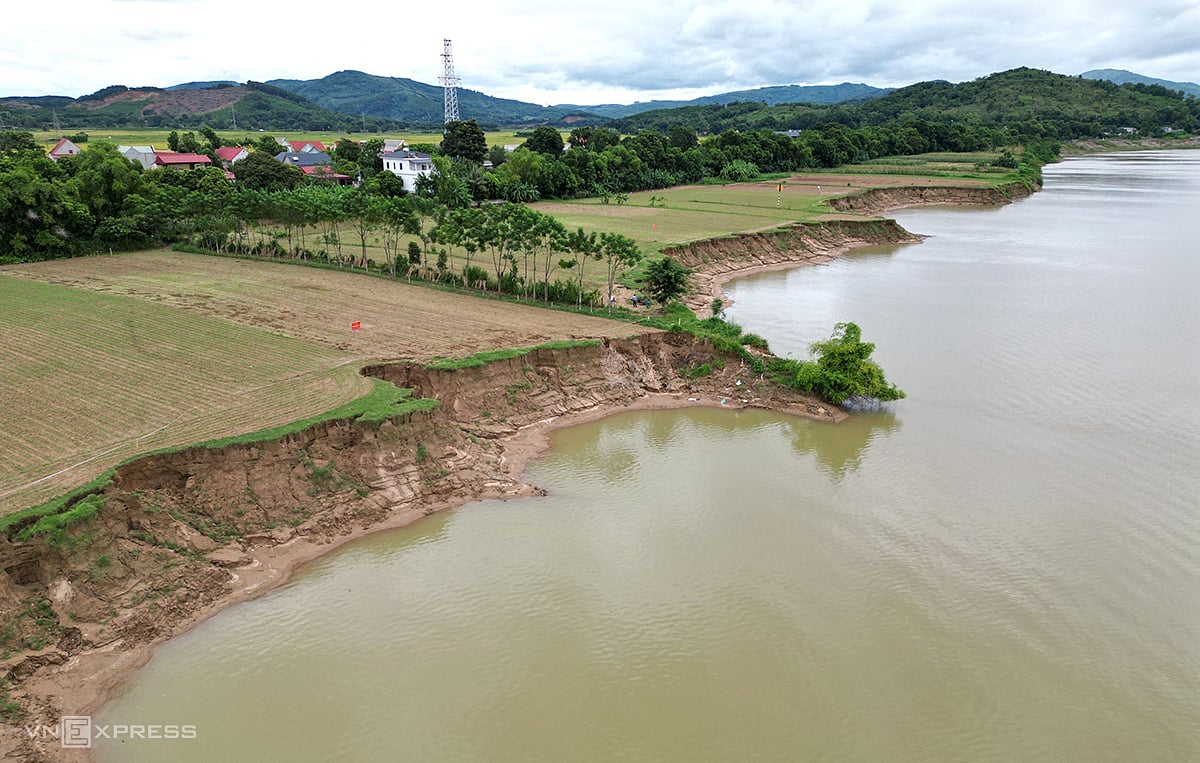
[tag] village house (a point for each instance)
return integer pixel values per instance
(230, 154)
(302, 146)
(143, 155)
(408, 166)
(325, 172)
(180, 161)
(304, 159)
(64, 148)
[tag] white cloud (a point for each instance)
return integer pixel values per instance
(547, 51)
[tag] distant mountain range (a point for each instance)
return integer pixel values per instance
(354, 92)
(845, 92)
(399, 98)
(1121, 77)
(356, 101)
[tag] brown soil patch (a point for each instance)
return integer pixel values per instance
(398, 320)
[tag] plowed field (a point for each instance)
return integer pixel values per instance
(102, 358)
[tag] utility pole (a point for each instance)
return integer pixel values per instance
(449, 83)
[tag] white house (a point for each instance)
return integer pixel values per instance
(408, 166)
(63, 148)
(394, 144)
(143, 155)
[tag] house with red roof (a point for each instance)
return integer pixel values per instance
(64, 148)
(325, 172)
(307, 146)
(230, 154)
(181, 161)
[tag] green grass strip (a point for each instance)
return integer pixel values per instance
(384, 401)
(57, 505)
(481, 358)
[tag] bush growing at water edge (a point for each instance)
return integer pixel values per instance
(843, 369)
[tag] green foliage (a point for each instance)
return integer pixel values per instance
(465, 139)
(546, 140)
(261, 172)
(1003, 108)
(1005, 160)
(482, 358)
(842, 369)
(738, 171)
(666, 279)
(26, 517)
(55, 525)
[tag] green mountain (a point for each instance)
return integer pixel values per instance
(251, 106)
(1121, 77)
(358, 93)
(847, 91)
(1024, 102)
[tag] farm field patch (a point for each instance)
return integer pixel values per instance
(108, 357)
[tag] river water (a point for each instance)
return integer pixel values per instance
(1005, 566)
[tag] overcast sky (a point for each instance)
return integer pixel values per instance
(602, 51)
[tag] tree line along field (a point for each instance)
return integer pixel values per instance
(657, 220)
(108, 357)
(135, 136)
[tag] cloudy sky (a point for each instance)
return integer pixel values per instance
(605, 51)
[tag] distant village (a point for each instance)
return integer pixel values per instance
(309, 156)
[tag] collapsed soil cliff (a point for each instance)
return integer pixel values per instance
(182, 534)
(874, 201)
(715, 261)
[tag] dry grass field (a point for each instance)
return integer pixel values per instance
(107, 357)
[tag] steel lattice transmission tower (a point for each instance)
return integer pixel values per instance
(449, 83)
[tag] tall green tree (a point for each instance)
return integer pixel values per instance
(260, 171)
(666, 279)
(465, 139)
(546, 141)
(619, 253)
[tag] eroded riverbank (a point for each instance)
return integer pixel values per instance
(185, 534)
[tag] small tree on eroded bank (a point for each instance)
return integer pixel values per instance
(666, 279)
(843, 369)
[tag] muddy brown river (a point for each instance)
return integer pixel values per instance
(1003, 567)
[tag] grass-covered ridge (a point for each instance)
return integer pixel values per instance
(384, 401)
(482, 358)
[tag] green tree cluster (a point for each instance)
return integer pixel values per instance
(842, 370)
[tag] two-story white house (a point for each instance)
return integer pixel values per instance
(408, 166)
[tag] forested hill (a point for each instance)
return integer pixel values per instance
(1027, 102)
(253, 105)
(845, 92)
(354, 92)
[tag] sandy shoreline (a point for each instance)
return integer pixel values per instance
(89, 679)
